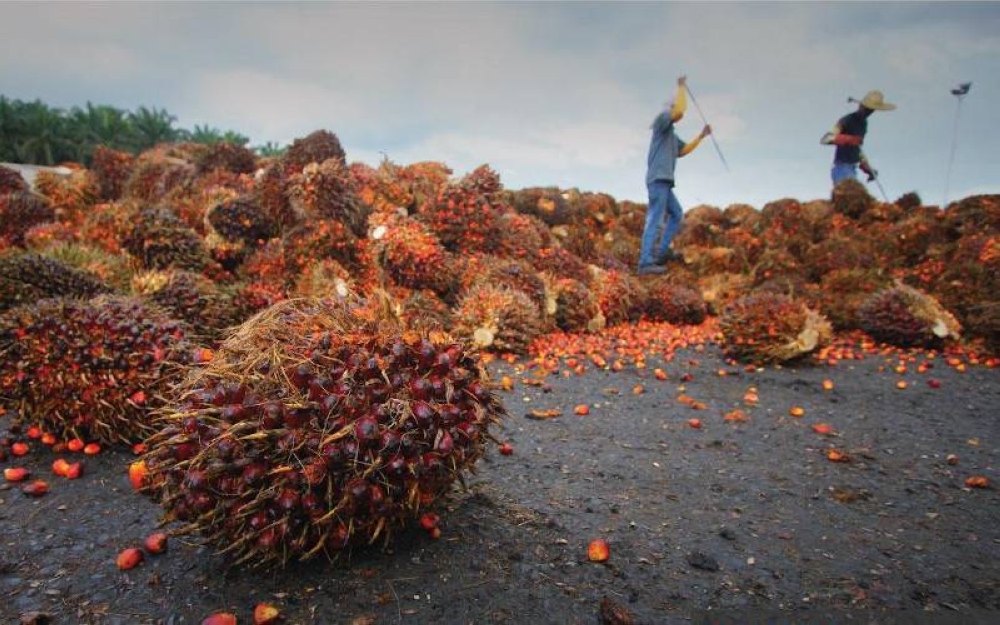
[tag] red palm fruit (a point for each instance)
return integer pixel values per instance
(91, 449)
(129, 558)
(74, 470)
(506, 449)
(598, 550)
(156, 543)
(429, 521)
(34, 432)
(49, 439)
(220, 618)
(20, 449)
(60, 467)
(137, 472)
(265, 614)
(75, 444)
(16, 474)
(36, 488)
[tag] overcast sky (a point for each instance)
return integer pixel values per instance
(547, 94)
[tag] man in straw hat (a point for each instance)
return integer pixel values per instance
(664, 211)
(849, 134)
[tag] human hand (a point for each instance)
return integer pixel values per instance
(707, 130)
(872, 174)
(682, 81)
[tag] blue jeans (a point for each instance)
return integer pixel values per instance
(843, 170)
(663, 205)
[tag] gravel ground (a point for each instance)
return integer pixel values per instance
(730, 522)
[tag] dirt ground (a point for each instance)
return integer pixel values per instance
(731, 522)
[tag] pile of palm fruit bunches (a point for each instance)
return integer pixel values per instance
(236, 312)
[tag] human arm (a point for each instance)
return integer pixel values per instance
(687, 148)
(866, 167)
(680, 100)
(835, 137)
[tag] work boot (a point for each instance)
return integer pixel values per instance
(651, 269)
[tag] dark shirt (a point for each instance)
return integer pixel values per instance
(855, 124)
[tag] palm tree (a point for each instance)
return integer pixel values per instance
(152, 126)
(205, 134)
(232, 136)
(45, 141)
(9, 118)
(99, 125)
(270, 149)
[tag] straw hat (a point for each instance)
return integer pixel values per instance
(875, 101)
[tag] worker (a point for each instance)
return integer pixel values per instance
(849, 134)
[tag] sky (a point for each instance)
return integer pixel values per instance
(548, 94)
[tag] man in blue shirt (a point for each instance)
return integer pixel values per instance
(664, 150)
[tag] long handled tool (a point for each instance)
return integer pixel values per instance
(711, 136)
(959, 92)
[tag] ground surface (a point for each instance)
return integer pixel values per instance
(734, 518)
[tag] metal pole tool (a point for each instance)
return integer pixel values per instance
(959, 92)
(711, 136)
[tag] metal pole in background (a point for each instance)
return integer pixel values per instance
(959, 93)
(711, 136)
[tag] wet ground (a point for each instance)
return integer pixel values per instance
(731, 522)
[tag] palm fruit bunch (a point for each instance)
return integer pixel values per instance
(769, 327)
(326, 191)
(497, 318)
(907, 241)
(11, 180)
(70, 195)
(104, 224)
(719, 289)
(709, 260)
(663, 300)
(425, 311)
(838, 253)
(91, 369)
(576, 307)
(19, 212)
(909, 201)
(622, 245)
(547, 204)
(324, 278)
(617, 293)
(189, 297)
(774, 263)
(157, 239)
(49, 234)
(561, 262)
(315, 240)
(315, 429)
(155, 175)
(29, 277)
(231, 157)
(240, 220)
(316, 147)
(519, 237)
(412, 256)
(906, 317)
(851, 198)
(517, 275)
(112, 169)
(271, 191)
(112, 269)
(840, 293)
(703, 226)
(267, 263)
(741, 216)
(879, 213)
(465, 215)
(973, 215)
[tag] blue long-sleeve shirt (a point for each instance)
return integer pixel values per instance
(664, 148)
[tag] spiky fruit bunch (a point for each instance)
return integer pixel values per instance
(412, 256)
(267, 263)
(617, 294)
(547, 204)
(906, 317)
(719, 289)
(314, 430)
(776, 262)
(271, 191)
(465, 215)
(228, 156)
(839, 253)
(11, 180)
(112, 170)
(157, 239)
(741, 215)
(326, 191)
(576, 307)
(769, 327)
(517, 275)
(703, 226)
(70, 195)
(324, 278)
(975, 214)
(316, 240)
(27, 278)
(906, 242)
(154, 176)
(909, 200)
(19, 212)
(520, 237)
(241, 220)
(49, 234)
(112, 269)
(91, 369)
(673, 303)
(316, 147)
(190, 297)
(851, 198)
(841, 293)
(425, 311)
(623, 245)
(709, 260)
(498, 319)
(561, 263)
(103, 226)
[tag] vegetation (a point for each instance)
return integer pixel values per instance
(36, 133)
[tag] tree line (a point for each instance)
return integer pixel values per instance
(38, 134)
